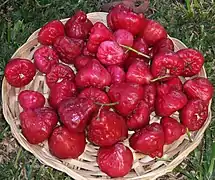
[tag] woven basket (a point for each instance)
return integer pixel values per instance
(85, 167)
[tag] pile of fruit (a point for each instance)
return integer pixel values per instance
(125, 72)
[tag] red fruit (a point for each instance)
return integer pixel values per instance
(107, 128)
(127, 94)
(78, 26)
(61, 91)
(50, 31)
(86, 52)
(31, 99)
(153, 32)
(75, 113)
(163, 45)
(141, 46)
(110, 53)
(81, 61)
(115, 161)
(117, 74)
(124, 37)
(98, 34)
(149, 140)
(131, 60)
(169, 84)
(139, 73)
(149, 95)
(68, 48)
(93, 74)
(193, 61)
(37, 125)
(19, 72)
(167, 63)
(173, 130)
(194, 114)
(66, 144)
(44, 58)
(139, 117)
(122, 18)
(59, 72)
(200, 88)
(167, 104)
(94, 94)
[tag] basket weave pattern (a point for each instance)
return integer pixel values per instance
(85, 167)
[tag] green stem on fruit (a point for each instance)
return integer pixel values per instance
(99, 112)
(109, 104)
(134, 50)
(159, 78)
(189, 135)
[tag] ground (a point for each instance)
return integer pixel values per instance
(191, 22)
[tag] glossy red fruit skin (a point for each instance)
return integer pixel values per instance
(141, 46)
(61, 91)
(86, 52)
(200, 88)
(169, 84)
(44, 58)
(124, 37)
(139, 73)
(50, 31)
(122, 18)
(173, 130)
(19, 72)
(81, 61)
(96, 95)
(153, 32)
(117, 74)
(75, 113)
(131, 60)
(110, 53)
(167, 63)
(29, 99)
(139, 117)
(65, 144)
(98, 34)
(149, 140)
(58, 72)
(38, 124)
(149, 95)
(163, 45)
(115, 161)
(194, 114)
(165, 105)
(193, 61)
(127, 94)
(78, 26)
(107, 128)
(93, 74)
(68, 48)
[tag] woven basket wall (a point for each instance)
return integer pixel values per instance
(85, 167)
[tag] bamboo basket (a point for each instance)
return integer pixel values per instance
(85, 167)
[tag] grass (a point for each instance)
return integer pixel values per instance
(191, 22)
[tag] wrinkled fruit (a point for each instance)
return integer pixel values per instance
(65, 144)
(117, 74)
(19, 72)
(29, 99)
(115, 161)
(37, 125)
(107, 128)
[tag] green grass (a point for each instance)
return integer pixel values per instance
(192, 22)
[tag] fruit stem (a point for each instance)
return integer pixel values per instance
(109, 104)
(159, 78)
(134, 50)
(188, 134)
